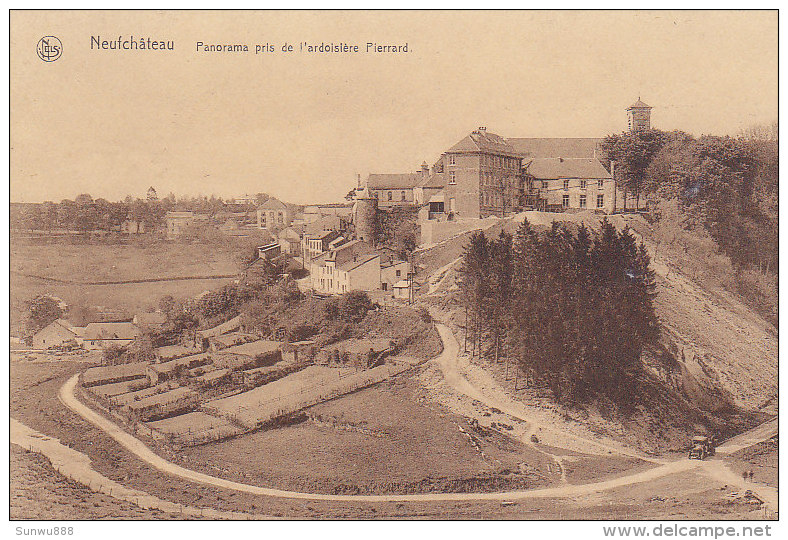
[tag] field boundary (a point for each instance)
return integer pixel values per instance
(124, 281)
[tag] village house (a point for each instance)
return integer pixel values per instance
(273, 215)
(177, 222)
(356, 266)
(290, 241)
(58, 333)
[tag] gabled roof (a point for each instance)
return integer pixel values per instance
(274, 204)
(551, 168)
(111, 330)
(482, 141)
(435, 180)
(354, 263)
(555, 147)
(393, 181)
(639, 105)
(326, 223)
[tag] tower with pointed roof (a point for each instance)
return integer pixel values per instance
(639, 116)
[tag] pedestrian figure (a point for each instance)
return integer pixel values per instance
(744, 475)
(751, 475)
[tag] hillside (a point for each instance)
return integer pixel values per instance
(717, 357)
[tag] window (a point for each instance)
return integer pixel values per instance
(565, 201)
(600, 201)
(451, 160)
(566, 185)
(583, 184)
(452, 178)
(582, 201)
(601, 183)
(402, 195)
(398, 273)
(544, 184)
(390, 195)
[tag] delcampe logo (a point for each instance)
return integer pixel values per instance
(49, 48)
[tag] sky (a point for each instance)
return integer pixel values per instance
(301, 126)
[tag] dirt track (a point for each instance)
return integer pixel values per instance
(454, 377)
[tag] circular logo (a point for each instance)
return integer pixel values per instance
(49, 48)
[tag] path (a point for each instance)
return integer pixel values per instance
(77, 466)
(138, 448)
(451, 368)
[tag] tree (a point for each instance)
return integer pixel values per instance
(632, 152)
(42, 311)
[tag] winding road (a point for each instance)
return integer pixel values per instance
(448, 363)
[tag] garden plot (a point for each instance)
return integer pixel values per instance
(194, 428)
(304, 388)
(116, 389)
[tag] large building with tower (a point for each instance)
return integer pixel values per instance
(485, 174)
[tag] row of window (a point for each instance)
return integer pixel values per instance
(492, 161)
(390, 195)
(600, 201)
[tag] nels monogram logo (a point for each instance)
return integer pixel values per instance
(49, 48)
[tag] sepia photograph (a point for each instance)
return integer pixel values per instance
(390, 265)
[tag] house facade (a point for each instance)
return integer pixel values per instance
(57, 334)
(356, 266)
(274, 215)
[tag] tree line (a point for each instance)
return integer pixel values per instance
(573, 310)
(86, 214)
(726, 185)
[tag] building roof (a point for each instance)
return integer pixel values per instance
(59, 324)
(273, 204)
(435, 180)
(361, 260)
(639, 105)
(393, 181)
(403, 284)
(572, 147)
(483, 141)
(111, 330)
(255, 348)
(325, 223)
(549, 168)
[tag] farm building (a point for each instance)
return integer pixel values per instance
(250, 355)
(56, 334)
(165, 404)
(112, 374)
(106, 334)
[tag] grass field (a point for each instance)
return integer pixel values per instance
(376, 440)
(113, 262)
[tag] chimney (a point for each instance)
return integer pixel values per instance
(358, 180)
(425, 170)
